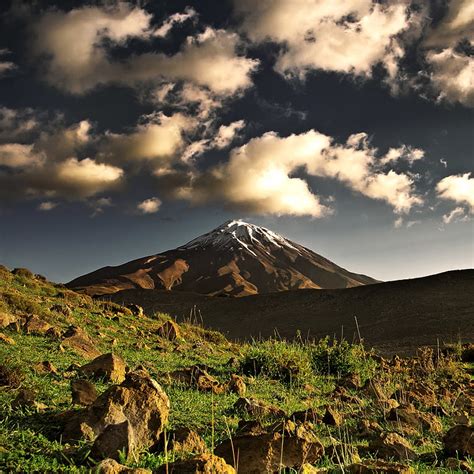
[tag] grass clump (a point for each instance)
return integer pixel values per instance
(339, 358)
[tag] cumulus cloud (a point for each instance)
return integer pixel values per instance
(349, 37)
(226, 134)
(158, 139)
(452, 76)
(17, 155)
(457, 188)
(16, 123)
(404, 152)
(47, 206)
(149, 206)
(77, 44)
(456, 215)
(173, 20)
(260, 176)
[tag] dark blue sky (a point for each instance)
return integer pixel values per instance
(134, 146)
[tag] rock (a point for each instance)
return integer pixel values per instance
(35, 325)
(332, 417)
(462, 418)
(203, 464)
(6, 339)
(109, 366)
(62, 309)
(305, 415)
(10, 377)
(351, 381)
(369, 429)
(467, 353)
(408, 416)
(379, 467)
(237, 385)
(287, 446)
(79, 341)
(256, 408)
(184, 441)
(169, 330)
(459, 440)
(46, 367)
(7, 319)
(197, 376)
(458, 465)
(128, 417)
(135, 309)
(54, 333)
(392, 446)
(83, 392)
(465, 402)
(26, 398)
(110, 466)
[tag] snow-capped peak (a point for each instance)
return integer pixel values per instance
(239, 234)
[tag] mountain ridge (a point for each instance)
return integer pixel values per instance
(234, 259)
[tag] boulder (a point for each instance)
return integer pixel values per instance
(392, 446)
(128, 417)
(202, 464)
(110, 466)
(83, 392)
(169, 330)
(37, 326)
(109, 366)
(408, 416)
(80, 342)
(286, 445)
(182, 440)
(459, 440)
(6, 339)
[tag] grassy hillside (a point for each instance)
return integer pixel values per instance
(344, 396)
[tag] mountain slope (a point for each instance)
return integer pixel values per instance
(396, 316)
(235, 259)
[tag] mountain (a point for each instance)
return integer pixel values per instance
(235, 259)
(394, 316)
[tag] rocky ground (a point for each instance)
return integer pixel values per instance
(94, 386)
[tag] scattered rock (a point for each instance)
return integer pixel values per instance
(6, 339)
(26, 398)
(83, 392)
(458, 465)
(10, 377)
(287, 446)
(7, 319)
(303, 416)
(256, 408)
(198, 377)
(459, 440)
(182, 440)
(392, 446)
(203, 464)
(237, 385)
(109, 366)
(46, 367)
(127, 417)
(135, 309)
(408, 416)
(35, 325)
(110, 466)
(62, 309)
(169, 330)
(79, 341)
(379, 467)
(332, 417)
(462, 418)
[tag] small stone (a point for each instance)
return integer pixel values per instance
(46, 367)
(110, 466)
(392, 446)
(35, 325)
(108, 366)
(202, 464)
(80, 342)
(237, 385)
(332, 417)
(6, 339)
(135, 309)
(169, 330)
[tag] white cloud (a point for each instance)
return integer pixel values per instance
(457, 188)
(78, 56)
(16, 155)
(452, 76)
(403, 152)
(349, 37)
(149, 206)
(174, 20)
(226, 134)
(260, 175)
(456, 215)
(47, 206)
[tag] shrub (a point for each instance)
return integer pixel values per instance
(340, 358)
(23, 272)
(288, 362)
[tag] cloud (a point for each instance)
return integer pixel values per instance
(157, 139)
(77, 44)
(404, 152)
(5, 66)
(457, 188)
(226, 134)
(260, 176)
(456, 215)
(47, 206)
(16, 123)
(173, 20)
(149, 206)
(452, 76)
(16, 155)
(349, 37)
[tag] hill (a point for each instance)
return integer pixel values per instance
(235, 259)
(87, 384)
(395, 316)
